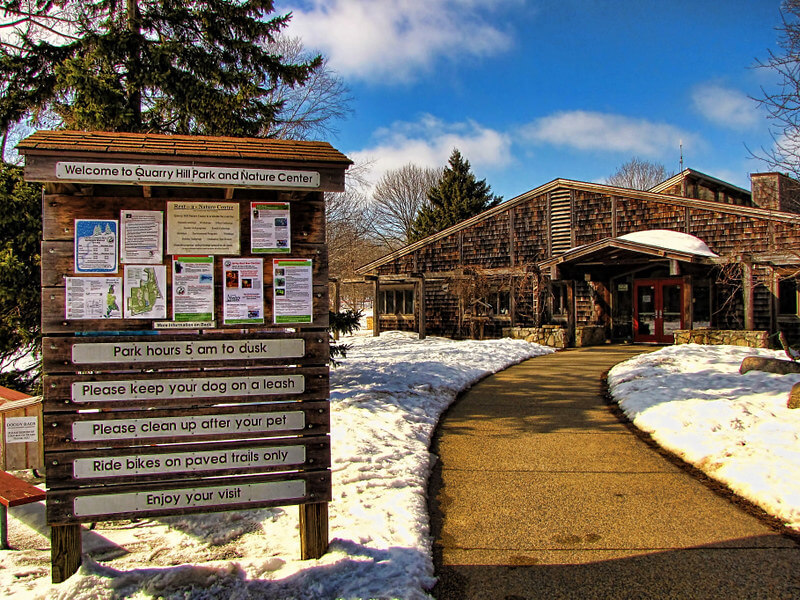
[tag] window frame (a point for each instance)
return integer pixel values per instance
(402, 298)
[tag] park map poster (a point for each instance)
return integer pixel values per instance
(145, 291)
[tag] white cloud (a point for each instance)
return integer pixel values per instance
(390, 40)
(595, 131)
(429, 143)
(725, 106)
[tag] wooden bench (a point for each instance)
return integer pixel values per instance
(14, 492)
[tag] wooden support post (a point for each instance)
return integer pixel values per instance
(65, 551)
(613, 216)
(313, 530)
(376, 311)
(421, 308)
(688, 307)
(337, 302)
(512, 240)
(748, 296)
(3, 527)
(571, 316)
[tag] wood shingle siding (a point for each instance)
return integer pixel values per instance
(505, 248)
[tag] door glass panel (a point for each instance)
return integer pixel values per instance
(646, 301)
(672, 300)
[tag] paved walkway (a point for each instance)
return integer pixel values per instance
(541, 492)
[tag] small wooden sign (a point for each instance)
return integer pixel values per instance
(188, 497)
(86, 430)
(169, 350)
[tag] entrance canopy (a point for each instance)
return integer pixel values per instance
(633, 249)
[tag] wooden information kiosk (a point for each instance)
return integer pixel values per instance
(185, 314)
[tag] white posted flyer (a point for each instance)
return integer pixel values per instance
(270, 228)
(93, 298)
(192, 288)
(141, 238)
(292, 285)
(95, 246)
(243, 294)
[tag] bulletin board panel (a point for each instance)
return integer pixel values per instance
(185, 314)
(183, 325)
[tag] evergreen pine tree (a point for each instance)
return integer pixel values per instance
(210, 67)
(457, 196)
(164, 66)
(20, 237)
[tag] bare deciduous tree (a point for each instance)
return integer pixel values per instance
(638, 174)
(349, 228)
(783, 105)
(397, 200)
(311, 110)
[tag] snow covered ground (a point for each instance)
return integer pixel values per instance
(735, 428)
(386, 399)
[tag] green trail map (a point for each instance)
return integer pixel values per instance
(143, 297)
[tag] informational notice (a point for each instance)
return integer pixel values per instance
(188, 462)
(21, 430)
(293, 298)
(187, 498)
(95, 246)
(203, 228)
(141, 237)
(189, 387)
(192, 288)
(93, 298)
(243, 295)
(270, 228)
(160, 427)
(188, 350)
(145, 292)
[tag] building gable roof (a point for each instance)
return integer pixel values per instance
(647, 196)
(698, 176)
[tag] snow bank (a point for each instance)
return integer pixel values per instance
(386, 399)
(735, 428)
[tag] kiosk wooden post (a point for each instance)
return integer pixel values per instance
(185, 314)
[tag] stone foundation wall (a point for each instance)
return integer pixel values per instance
(590, 335)
(723, 337)
(555, 336)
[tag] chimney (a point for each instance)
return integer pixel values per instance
(775, 191)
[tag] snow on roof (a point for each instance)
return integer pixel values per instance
(670, 240)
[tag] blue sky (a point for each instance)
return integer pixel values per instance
(534, 90)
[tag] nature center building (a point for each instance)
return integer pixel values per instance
(582, 263)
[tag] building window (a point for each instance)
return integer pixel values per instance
(787, 297)
(396, 301)
(496, 303)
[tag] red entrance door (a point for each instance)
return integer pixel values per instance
(657, 310)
